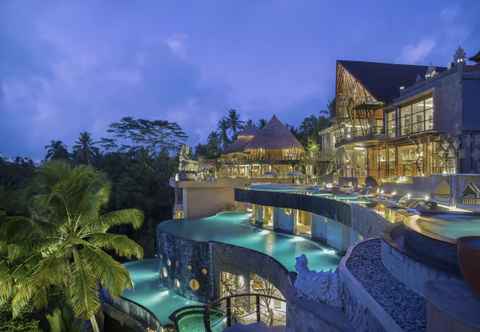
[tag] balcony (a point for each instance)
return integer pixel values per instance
(357, 134)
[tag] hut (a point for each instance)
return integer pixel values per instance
(270, 152)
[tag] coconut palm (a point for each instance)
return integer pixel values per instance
(84, 149)
(64, 243)
(56, 150)
(234, 122)
(223, 126)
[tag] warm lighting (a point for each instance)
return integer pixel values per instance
(194, 284)
(394, 193)
(359, 148)
(177, 283)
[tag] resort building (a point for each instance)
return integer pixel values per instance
(268, 153)
(245, 256)
(396, 120)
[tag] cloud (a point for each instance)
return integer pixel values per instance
(177, 44)
(418, 52)
(93, 76)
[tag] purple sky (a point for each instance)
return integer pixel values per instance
(70, 66)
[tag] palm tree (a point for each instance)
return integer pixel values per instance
(234, 122)
(63, 244)
(223, 126)
(84, 149)
(56, 150)
(262, 123)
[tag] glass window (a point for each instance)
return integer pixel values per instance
(391, 124)
(406, 120)
(416, 117)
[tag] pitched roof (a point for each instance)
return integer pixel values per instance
(476, 57)
(383, 80)
(275, 135)
(244, 137)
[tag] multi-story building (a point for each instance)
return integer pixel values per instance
(406, 120)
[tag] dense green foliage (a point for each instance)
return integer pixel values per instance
(54, 220)
(64, 242)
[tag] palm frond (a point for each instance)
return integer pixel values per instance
(83, 289)
(122, 245)
(112, 275)
(132, 217)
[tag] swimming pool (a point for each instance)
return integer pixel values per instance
(449, 226)
(149, 293)
(234, 228)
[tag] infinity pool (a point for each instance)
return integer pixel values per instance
(234, 228)
(450, 226)
(149, 293)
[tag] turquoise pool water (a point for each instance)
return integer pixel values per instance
(148, 292)
(451, 226)
(234, 228)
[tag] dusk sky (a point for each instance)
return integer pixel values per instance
(71, 66)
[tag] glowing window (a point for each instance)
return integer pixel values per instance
(164, 272)
(204, 271)
(177, 283)
(194, 284)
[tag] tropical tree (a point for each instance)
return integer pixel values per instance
(223, 126)
(64, 243)
(84, 149)
(56, 150)
(153, 135)
(262, 123)
(234, 122)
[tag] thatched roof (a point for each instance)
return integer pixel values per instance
(275, 135)
(476, 57)
(244, 137)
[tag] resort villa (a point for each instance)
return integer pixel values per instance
(386, 239)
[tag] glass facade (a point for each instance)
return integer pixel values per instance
(391, 124)
(416, 117)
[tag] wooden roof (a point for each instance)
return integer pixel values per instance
(275, 135)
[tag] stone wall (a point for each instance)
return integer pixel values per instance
(185, 261)
(409, 271)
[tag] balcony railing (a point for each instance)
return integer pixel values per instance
(358, 134)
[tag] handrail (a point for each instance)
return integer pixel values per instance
(206, 309)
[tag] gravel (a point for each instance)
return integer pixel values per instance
(406, 307)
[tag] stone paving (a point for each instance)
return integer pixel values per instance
(406, 307)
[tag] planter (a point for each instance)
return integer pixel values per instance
(468, 251)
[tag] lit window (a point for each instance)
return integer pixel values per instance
(194, 284)
(177, 283)
(204, 271)
(164, 272)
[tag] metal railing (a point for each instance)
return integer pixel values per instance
(225, 312)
